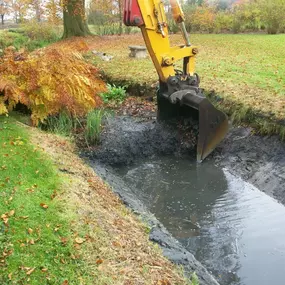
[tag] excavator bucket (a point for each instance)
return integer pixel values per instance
(213, 124)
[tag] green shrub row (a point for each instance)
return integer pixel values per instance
(30, 36)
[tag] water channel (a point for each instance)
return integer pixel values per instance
(236, 231)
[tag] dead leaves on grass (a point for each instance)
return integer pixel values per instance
(79, 240)
(44, 206)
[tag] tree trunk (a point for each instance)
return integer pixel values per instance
(38, 10)
(2, 19)
(121, 16)
(74, 21)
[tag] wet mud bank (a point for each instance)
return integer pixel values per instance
(258, 160)
(127, 140)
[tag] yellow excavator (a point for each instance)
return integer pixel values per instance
(179, 94)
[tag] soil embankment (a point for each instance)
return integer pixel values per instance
(258, 160)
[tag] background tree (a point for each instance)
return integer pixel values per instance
(74, 19)
(5, 6)
(53, 11)
(273, 14)
(37, 7)
(20, 9)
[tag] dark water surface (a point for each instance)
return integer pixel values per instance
(234, 229)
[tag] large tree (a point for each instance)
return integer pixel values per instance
(5, 6)
(74, 19)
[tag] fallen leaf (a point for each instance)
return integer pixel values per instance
(10, 276)
(163, 282)
(79, 240)
(65, 282)
(24, 217)
(30, 231)
(11, 213)
(44, 269)
(63, 240)
(3, 216)
(45, 206)
(31, 271)
(99, 261)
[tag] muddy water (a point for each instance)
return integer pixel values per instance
(231, 227)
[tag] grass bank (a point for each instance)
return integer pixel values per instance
(36, 240)
(61, 224)
(244, 73)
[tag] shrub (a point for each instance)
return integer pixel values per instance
(194, 279)
(62, 124)
(223, 22)
(112, 29)
(49, 81)
(273, 14)
(40, 31)
(30, 36)
(114, 93)
(173, 27)
(94, 126)
(203, 19)
(8, 38)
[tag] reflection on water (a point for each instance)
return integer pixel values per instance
(235, 230)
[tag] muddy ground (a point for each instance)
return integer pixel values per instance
(258, 160)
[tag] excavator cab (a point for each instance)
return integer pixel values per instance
(179, 94)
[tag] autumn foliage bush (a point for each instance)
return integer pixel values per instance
(49, 81)
(41, 31)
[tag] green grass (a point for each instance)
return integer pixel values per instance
(62, 124)
(114, 93)
(246, 71)
(12, 39)
(94, 126)
(36, 243)
(30, 36)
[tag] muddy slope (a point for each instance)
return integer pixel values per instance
(127, 139)
(258, 160)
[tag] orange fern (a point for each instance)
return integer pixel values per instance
(48, 81)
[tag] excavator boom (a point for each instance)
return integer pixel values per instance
(179, 94)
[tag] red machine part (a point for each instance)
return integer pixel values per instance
(132, 13)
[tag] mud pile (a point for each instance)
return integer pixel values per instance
(127, 139)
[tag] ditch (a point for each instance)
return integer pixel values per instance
(223, 218)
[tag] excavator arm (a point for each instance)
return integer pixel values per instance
(179, 93)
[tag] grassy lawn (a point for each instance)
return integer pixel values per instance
(247, 71)
(36, 242)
